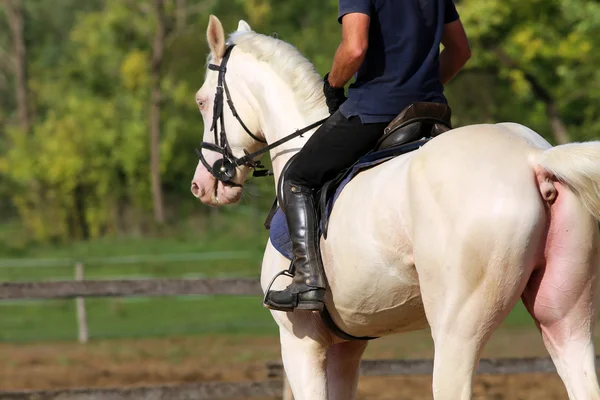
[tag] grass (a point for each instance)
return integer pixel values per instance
(27, 321)
(201, 236)
(247, 267)
(137, 317)
(57, 261)
(154, 317)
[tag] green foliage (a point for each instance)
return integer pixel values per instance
(83, 170)
(552, 41)
(91, 139)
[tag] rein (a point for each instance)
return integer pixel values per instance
(224, 168)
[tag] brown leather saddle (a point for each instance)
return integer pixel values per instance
(418, 120)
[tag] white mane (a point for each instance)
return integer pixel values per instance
(288, 63)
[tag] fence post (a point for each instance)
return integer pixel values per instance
(80, 305)
(287, 390)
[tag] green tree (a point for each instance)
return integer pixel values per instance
(103, 77)
(544, 49)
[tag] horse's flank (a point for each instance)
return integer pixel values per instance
(449, 192)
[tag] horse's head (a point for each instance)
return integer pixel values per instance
(219, 175)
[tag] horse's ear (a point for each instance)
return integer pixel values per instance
(243, 26)
(216, 37)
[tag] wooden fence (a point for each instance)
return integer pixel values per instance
(127, 288)
(79, 288)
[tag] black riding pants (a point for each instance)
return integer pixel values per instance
(336, 145)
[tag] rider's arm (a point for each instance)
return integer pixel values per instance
(352, 50)
(456, 51)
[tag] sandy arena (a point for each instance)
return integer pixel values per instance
(111, 363)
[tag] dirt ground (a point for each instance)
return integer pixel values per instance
(189, 359)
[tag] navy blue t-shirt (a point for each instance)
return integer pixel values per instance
(402, 61)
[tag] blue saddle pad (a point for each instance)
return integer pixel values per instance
(279, 233)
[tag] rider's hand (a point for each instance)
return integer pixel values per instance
(334, 97)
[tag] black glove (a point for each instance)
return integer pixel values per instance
(334, 97)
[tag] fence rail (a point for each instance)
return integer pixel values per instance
(128, 287)
(190, 391)
(208, 390)
(501, 366)
(123, 260)
(272, 387)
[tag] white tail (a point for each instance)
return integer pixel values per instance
(577, 165)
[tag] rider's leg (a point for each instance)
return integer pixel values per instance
(336, 145)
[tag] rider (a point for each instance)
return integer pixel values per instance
(393, 48)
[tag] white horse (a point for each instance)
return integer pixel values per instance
(449, 236)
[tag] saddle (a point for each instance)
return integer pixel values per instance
(412, 128)
(416, 121)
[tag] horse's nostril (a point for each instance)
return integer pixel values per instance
(196, 189)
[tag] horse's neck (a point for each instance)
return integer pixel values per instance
(281, 116)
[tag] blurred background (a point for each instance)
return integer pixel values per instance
(98, 126)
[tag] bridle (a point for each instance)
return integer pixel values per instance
(224, 169)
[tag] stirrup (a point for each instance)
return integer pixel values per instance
(285, 272)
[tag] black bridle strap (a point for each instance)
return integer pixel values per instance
(203, 160)
(249, 157)
(218, 101)
(236, 115)
(222, 84)
(213, 147)
(222, 168)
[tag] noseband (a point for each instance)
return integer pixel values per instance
(224, 169)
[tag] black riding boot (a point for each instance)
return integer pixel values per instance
(307, 290)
